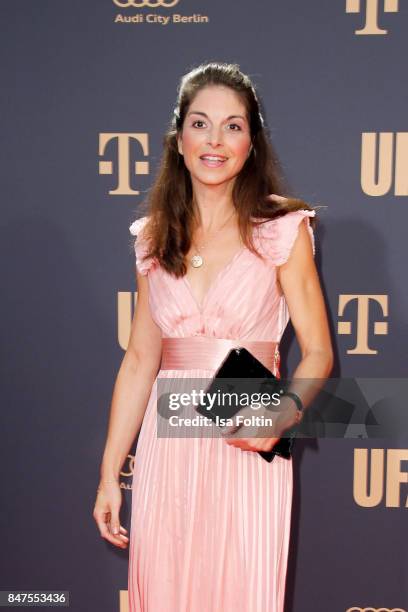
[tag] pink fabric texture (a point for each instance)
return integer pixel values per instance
(210, 523)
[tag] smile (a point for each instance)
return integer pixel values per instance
(213, 161)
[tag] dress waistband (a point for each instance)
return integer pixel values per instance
(204, 352)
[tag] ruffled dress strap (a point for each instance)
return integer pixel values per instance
(141, 246)
(275, 238)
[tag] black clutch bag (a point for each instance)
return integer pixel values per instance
(241, 364)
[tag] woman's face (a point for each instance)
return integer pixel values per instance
(215, 140)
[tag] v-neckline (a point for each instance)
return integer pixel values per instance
(217, 277)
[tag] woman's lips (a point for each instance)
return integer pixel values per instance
(213, 163)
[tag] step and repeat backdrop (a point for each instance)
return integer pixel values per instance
(88, 89)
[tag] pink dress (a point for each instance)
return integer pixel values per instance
(210, 523)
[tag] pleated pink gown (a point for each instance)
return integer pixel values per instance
(210, 523)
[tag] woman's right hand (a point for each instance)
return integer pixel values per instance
(106, 514)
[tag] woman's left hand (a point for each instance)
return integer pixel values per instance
(253, 444)
(261, 438)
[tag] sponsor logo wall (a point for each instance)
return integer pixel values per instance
(87, 103)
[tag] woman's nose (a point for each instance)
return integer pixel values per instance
(215, 136)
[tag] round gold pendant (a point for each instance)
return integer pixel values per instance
(196, 261)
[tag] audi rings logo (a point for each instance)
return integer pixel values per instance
(145, 3)
(357, 609)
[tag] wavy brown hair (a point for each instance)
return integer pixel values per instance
(171, 206)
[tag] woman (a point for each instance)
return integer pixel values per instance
(222, 260)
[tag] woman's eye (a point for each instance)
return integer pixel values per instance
(202, 122)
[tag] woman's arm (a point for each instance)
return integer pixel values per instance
(299, 280)
(133, 384)
(300, 283)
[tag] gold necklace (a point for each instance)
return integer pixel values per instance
(197, 259)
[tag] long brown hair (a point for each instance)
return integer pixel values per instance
(170, 201)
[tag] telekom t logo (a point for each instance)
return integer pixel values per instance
(361, 331)
(123, 160)
(372, 9)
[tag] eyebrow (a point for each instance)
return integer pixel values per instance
(205, 115)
